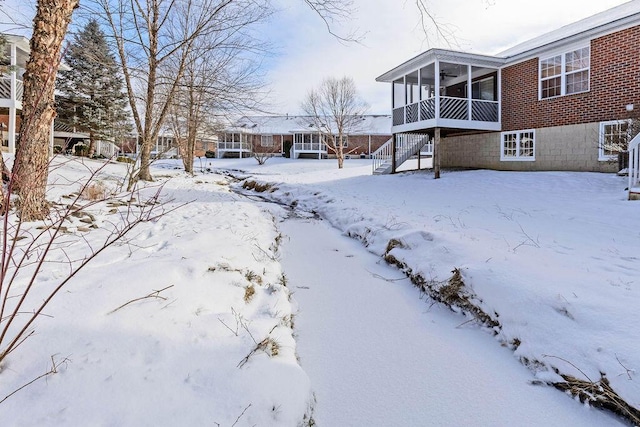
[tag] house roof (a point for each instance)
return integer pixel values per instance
(24, 49)
(441, 55)
(623, 16)
(284, 125)
(614, 19)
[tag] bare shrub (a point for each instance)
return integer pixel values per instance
(95, 191)
(28, 248)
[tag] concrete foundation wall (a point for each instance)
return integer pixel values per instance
(568, 148)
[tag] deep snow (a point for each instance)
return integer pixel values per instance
(554, 254)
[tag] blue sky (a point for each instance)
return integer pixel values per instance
(305, 53)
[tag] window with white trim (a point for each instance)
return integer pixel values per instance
(565, 74)
(614, 139)
(518, 145)
(266, 140)
(345, 140)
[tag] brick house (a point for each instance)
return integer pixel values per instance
(13, 61)
(296, 137)
(567, 100)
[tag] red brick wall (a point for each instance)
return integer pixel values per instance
(359, 144)
(614, 83)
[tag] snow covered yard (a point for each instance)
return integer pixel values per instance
(214, 348)
(552, 256)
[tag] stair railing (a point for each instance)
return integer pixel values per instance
(634, 163)
(382, 155)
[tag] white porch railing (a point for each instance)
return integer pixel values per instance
(450, 108)
(634, 166)
(234, 145)
(407, 145)
(310, 147)
(5, 88)
(382, 156)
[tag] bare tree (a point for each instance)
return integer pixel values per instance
(336, 110)
(151, 35)
(32, 158)
(221, 76)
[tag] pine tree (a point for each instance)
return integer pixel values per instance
(92, 99)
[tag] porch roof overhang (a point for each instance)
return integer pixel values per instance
(433, 55)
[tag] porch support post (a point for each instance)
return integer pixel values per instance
(51, 139)
(436, 154)
(499, 95)
(437, 88)
(393, 153)
(419, 157)
(14, 100)
(469, 92)
(11, 131)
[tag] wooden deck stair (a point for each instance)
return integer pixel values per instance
(407, 146)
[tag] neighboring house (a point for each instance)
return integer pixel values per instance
(12, 66)
(296, 136)
(567, 100)
(166, 146)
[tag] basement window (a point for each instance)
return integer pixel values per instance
(614, 139)
(518, 146)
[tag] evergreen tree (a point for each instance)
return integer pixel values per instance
(92, 99)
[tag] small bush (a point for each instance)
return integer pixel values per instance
(210, 154)
(81, 150)
(124, 159)
(95, 191)
(249, 292)
(57, 149)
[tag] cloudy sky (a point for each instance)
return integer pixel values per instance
(305, 53)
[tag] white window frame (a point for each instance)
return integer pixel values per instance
(564, 73)
(601, 138)
(345, 140)
(266, 140)
(520, 139)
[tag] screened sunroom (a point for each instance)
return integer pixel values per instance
(445, 89)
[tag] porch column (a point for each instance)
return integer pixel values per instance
(469, 92)
(51, 139)
(499, 95)
(12, 110)
(393, 153)
(419, 100)
(11, 136)
(436, 79)
(436, 154)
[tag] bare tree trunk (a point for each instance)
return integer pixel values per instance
(340, 154)
(30, 171)
(92, 144)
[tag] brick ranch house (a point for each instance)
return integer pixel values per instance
(567, 100)
(296, 137)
